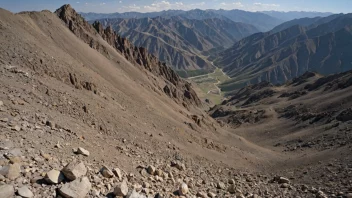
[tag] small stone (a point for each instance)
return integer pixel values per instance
(151, 169)
(183, 189)
(106, 172)
(1, 103)
(50, 123)
(117, 173)
(146, 185)
(202, 194)
(54, 177)
(232, 188)
(285, 185)
(220, 185)
(7, 191)
(16, 128)
(121, 189)
(283, 180)
(211, 194)
(232, 181)
(25, 192)
(76, 189)
(74, 170)
(83, 151)
(144, 172)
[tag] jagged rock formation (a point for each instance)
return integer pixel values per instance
(180, 89)
(278, 57)
(182, 43)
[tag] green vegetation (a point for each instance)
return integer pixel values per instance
(207, 86)
(192, 73)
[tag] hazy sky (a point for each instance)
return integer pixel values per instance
(107, 6)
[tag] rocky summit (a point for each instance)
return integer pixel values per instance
(85, 112)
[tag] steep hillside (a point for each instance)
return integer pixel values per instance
(180, 42)
(278, 57)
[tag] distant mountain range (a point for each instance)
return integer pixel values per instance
(263, 21)
(323, 45)
(288, 16)
(181, 42)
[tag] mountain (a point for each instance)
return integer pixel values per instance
(181, 42)
(306, 22)
(261, 21)
(278, 57)
(291, 15)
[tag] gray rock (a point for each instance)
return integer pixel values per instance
(54, 177)
(76, 189)
(7, 191)
(106, 172)
(1, 103)
(25, 192)
(74, 170)
(83, 151)
(121, 189)
(12, 171)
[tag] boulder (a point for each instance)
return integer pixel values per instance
(82, 151)
(7, 191)
(74, 170)
(106, 172)
(25, 192)
(54, 177)
(121, 189)
(76, 189)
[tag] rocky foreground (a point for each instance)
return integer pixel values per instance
(61, 170)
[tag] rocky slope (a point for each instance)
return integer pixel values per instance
(278, 57)
(78, 119)
(174, 86)
(180, 42)
(311, 113)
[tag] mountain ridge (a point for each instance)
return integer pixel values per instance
(278, 57)
(179, 41)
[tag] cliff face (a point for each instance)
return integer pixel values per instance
(175, 87)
